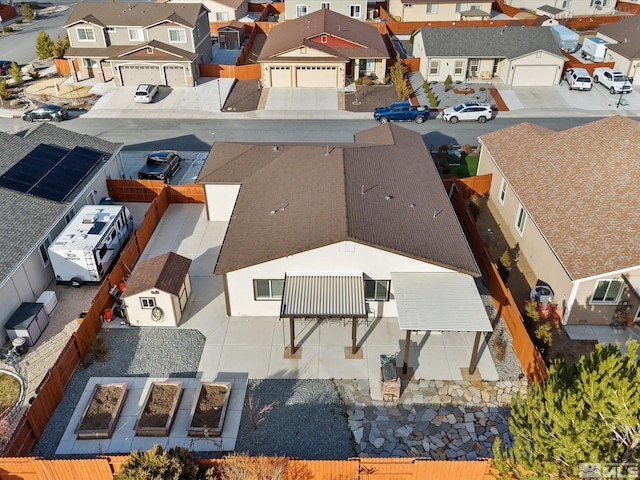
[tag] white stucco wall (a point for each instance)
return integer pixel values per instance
(220, 201)
(343, 258)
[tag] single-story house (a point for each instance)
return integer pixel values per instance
(624, 45)
(438, 10)
(231, 35)
(36, 204)
(322, 49)
(157, 291)
(355, 231)
(574, 8)
(547, 197)
(356, 9)
(519, 56)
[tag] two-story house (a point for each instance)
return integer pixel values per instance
(132, 43)
(349, 8)
(222, 10)
(438, 10)
(567, 8)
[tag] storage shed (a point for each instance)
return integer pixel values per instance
(157, 291)
(28, 321)
(231, 35)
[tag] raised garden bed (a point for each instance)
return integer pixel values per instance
(159, 409)
(100, 417)
(207, 414)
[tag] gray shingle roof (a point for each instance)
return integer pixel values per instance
(24, 219)
(315, 191)
(507, 42)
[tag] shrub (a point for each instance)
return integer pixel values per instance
(504, 265)
(446, 168)
(60, 46)
(18, 21)
(27, 12)
(474, 205)
(159, 464)
(243, 467)
(5, 94)
(44, 45)
(397, 72)
(16, 73)
(33, 72)
(7, 29)
(447, 83)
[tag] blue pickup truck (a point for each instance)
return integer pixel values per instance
(401, 111)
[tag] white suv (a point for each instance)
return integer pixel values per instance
(468, 111)
(578, 79)
(145, 93)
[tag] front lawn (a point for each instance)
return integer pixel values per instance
(467, 168)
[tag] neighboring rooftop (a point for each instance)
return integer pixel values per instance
(626, 30)
(134, 14)
(582, 199)
(383, 191)
(165, 272)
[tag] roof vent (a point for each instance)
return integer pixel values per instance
(273, 212)
(90, 218)
(436, 213)
(275, 148)
(412, 205)
(389, 197)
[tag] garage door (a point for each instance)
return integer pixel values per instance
(534, 75)
(133, 75)
(280, 76)
(317, 77)
(175, 76)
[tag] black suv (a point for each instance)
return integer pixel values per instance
(46, 112)
(161, 165)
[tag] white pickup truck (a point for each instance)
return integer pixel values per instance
(612, 79)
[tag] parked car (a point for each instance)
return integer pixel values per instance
(161, 165)
(613, 80)
(401, 111)
(46, 112)
(480, 112)
(578, 79)
(145, 93)
(5, 66)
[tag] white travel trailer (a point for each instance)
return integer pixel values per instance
(86, 248)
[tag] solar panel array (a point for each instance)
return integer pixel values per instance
(51, 172)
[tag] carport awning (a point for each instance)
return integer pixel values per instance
(439, 302)
(323, 296)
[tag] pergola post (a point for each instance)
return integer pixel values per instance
(407, 343)
(293, 336)
(354, 335)
(474, 354)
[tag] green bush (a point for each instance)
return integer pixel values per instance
(159, 464)
(7, 29)
(44, 45)
(504, 265)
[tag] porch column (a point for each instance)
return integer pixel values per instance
(354, 335)
(474, 354)
(407, 344)
(293, 335)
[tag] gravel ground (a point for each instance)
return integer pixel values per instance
(153, 352)
(308, 420)
(244, 96)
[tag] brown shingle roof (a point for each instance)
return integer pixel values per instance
(301, 197)
(134, 14)
(580, 188)
(366, 39)
(625, 30)
(165, 272)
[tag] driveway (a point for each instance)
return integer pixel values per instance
(298, 99)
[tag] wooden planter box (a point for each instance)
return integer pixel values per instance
(207, 413)
(159, 409)
(101, 414)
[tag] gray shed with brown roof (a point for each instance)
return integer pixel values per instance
(157, 291)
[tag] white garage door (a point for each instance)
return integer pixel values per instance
(316, 77)
(280, 76)
(175, 76)
(534, 75)
(133, 75)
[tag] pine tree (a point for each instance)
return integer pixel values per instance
(60, 46)
(160, 464)
(586, 413)
(44, 45)
(5, 94)
(16, 73)
(397, 73)
(27, 12)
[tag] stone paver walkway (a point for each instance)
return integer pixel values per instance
(441, 420)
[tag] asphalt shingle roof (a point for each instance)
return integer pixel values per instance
(294, 198)
(579, 186)
(625, 30)
(507, 42)
(25, 219)
(165, 272)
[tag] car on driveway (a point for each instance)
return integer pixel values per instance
(5, 66)
(578, 79)
(480, 112)
(46, 112)
(161, 165)
(145, 93)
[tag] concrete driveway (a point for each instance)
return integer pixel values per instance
(297, 99)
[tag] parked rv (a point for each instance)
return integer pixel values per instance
(87, 247)
(567, 39)
(594, 49)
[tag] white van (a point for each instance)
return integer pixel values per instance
(578, 79)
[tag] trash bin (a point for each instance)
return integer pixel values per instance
(390, 379)
(106, 201)
(20, 344)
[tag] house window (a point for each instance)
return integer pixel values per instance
(89, 62)
(325, 6)
(461, 7)
(475, 7)
(607, 291)
(605, 3)
(177, 35)
(474, 65)
(268, 289)
(367, 65)
(222, 16)
(136, 35)
(434, 67)
(521, 219)
(377, 290)
(44, 253)
(85, 34)
(302, 10)
(458, 67)
(432, 9)
(503, 191)
(324, 39)
(495, 66)
(147, 302)
(566, 4)
(69, 216)
(354, 11)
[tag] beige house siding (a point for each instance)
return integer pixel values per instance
(444, 12)
(219, 8)
(540, 59)
(583, 311)
(576, 8)
(447, 66)
(139, 316)
(343, 7)
(98, 33)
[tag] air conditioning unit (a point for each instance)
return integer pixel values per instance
(542, 294)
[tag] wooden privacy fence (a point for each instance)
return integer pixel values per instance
(147, 190)
(573, 62)
(530, 359)
(479, 184)
(104, 467)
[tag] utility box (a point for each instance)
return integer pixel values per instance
(390, 379)
(594, 49)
